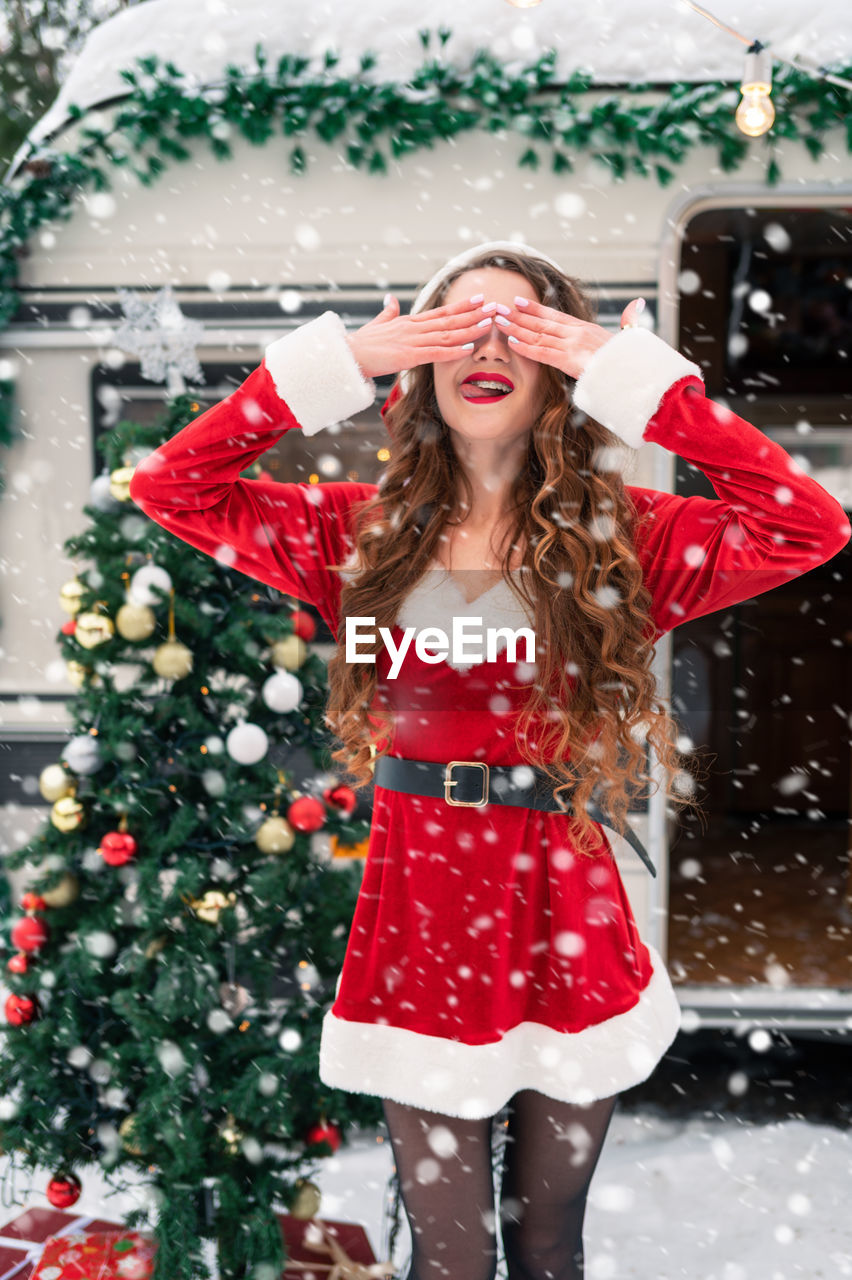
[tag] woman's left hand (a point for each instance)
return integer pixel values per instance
(555, 338)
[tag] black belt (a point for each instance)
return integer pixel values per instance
(477, 784)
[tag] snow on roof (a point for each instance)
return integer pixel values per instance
(617, 40)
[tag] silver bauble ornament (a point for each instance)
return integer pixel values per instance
(99, 493)
(83, 754)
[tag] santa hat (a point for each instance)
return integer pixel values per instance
(403, 379)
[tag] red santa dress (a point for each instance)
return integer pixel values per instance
(484, 955)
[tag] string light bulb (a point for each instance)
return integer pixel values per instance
(755, 114)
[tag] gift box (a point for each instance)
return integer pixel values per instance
(321, 1250)
(22, 1239)
(101, 1255)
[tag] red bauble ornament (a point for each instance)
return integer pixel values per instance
(63, 1190)
(20, 1010)
(324, 1133)
(341, 797)
(306, 814)
(303, 624)
(117, 847)
(68, 628)
(33, 902)
(30, 933)
(19, 963)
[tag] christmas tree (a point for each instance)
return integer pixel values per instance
(182, 932)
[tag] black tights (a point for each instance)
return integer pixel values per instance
(447, 1187)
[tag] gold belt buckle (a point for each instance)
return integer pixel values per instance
(452, 782)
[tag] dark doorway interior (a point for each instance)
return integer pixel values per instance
(763, 892)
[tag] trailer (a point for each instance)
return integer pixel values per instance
(752, 913)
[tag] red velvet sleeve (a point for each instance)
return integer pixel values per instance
(770, 521)
(285, 535)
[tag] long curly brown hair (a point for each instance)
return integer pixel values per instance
(587, 722)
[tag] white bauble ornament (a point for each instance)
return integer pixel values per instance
(172, 660)
(214, 744)
(144, 579)
(289, 652)
(214, 783)
(54, 782)
(247, 743)
(100, 496)
(134, 528)
(282, 691)
(83, 754)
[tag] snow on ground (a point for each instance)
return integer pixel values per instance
(697, 1199)
(618, 40)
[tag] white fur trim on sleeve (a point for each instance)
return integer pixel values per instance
(622, 385)
(315, 372)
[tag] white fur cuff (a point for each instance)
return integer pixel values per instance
(622, 385)
(315, 372)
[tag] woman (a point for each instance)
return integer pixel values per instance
(493, 957)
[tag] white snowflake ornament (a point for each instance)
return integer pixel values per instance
(156, 330)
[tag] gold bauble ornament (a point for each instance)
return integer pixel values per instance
(275, 835)
(155, 946)
(289, 653)
(78, 673)
(119, 483)
(172, 660)
(93, 629)
(71, 594)
(208, 906)
(135, 621)
(307, 1201)
(54, 782)
(68, 814)
(63, 893)
(126, 1133)
(231, 1135)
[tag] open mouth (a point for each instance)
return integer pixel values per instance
(480, 389)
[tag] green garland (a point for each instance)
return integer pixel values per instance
(370, 122)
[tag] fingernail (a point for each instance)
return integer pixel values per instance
(467, 346)
(490, 306)
(482, 323)
(477, 297)
(522, 302)
(388, 298)
(640, 305)
(512, 338)
(502, 320)
(504, 311)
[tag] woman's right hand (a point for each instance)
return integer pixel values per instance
(390, 342)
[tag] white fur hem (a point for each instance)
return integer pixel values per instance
(472, 1081)
(316, 374)
(622, 385)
